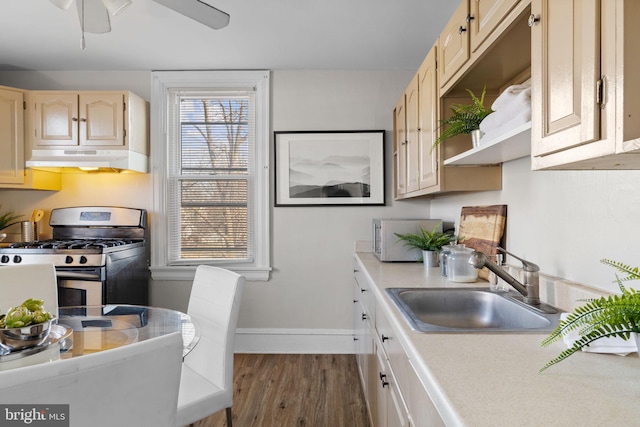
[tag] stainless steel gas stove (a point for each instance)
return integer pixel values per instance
(100, 254)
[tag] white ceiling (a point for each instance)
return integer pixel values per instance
(262, 34)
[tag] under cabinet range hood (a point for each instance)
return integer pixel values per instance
(87, 159)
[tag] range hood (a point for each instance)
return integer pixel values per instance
(121, 160)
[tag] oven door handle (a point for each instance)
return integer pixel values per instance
(76, 275)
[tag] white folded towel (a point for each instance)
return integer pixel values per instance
(610, 345)
(514, 122)
(513, 106)
(509, 93)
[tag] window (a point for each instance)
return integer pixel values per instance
(210, 171)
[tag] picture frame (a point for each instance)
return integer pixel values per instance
(329, 168)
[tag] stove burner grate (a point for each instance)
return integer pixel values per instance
(74, 244)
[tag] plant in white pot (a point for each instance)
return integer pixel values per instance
(429, 242)
(612, 316)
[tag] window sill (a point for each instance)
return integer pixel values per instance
(255, 274)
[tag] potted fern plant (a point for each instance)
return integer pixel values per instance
(429, 242)
(7, 219)
(465, 118)
(612, 316)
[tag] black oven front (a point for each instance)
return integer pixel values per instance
(81, 286)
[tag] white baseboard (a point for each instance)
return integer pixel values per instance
(294, 341)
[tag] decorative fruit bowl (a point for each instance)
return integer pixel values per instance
(14, 339)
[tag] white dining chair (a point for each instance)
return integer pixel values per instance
(132, 385)
(206, 384)
(21, 282)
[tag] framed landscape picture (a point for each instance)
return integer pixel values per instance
(329, 168)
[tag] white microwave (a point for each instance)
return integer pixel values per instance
(388, 247)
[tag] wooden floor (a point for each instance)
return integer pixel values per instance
(287, 390)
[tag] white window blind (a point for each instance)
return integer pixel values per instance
(215, 184)
(210, 175)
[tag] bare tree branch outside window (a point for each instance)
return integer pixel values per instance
(214, 168)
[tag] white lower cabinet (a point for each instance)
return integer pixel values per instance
(391, 408)
(364, 345)
(395, 395)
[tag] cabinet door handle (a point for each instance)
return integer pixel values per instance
(384, 338)
(461, 29)
(364, 316)
(533, 20)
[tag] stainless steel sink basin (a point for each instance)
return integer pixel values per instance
(471, 310)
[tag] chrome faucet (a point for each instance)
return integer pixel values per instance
(529, 289)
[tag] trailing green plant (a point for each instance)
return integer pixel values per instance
(427, 240)
(7, 219)
(465, 118)
(612, 316)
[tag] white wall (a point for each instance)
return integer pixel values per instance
(564, 221)
(311, 284)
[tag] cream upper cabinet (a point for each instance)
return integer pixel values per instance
(428, 120)
(484, 17)
(453, 44)
(416, 164)
(413, 136)
(13, 173)
(584, 74)
(566, 69)
(400, 147)
(418, 167)
(11, 137)
(66, 119)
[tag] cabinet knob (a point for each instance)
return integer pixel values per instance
(364, 316)
(83, 119)
(461, 29)
(74, 119)
(382, 380)
(384, 338)
(533, 20)
(469, 18)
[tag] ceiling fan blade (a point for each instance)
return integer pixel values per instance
(62, 4)
(94, 17)
(198, 11)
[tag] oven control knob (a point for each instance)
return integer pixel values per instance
(68, 259)
(4, 259)
(83, 259)
(17, 259)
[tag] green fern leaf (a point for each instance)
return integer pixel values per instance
(612, 316)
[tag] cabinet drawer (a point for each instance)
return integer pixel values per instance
(367, 299)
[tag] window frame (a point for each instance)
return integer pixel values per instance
(162, 81)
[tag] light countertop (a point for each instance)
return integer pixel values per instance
(493, 380)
